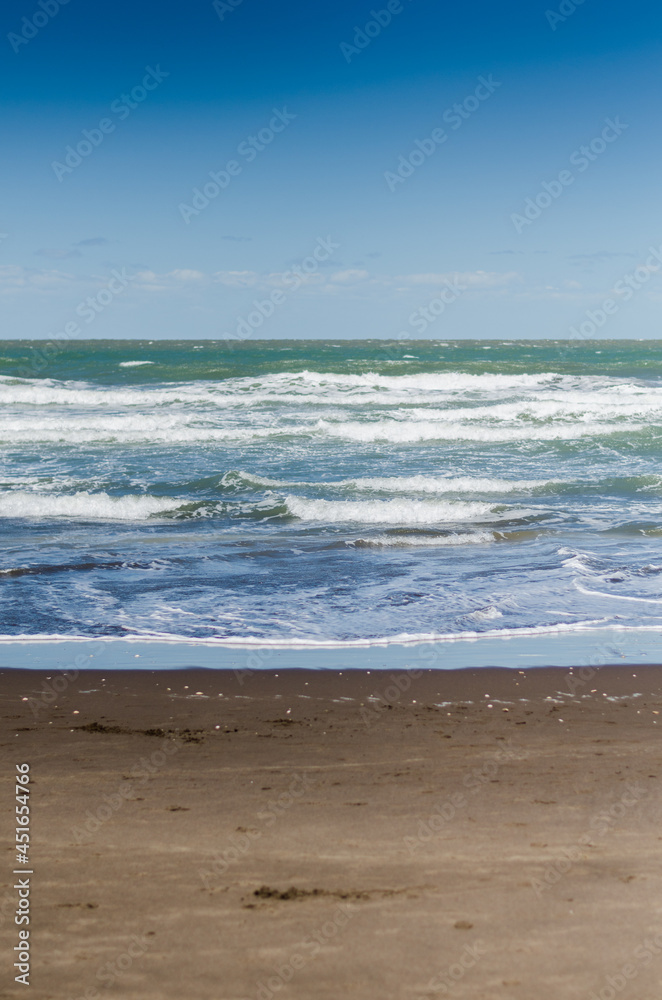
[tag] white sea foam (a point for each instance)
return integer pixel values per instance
(485, 614)
(402, 484)
(616, 597)
(405, 512)
(134, 364)
(563, 406)
(93, 506)
(131, 428)
(425, 541)
(542, 395)
(439, 484)
(190, 426)
(409, 433)
(400, 639)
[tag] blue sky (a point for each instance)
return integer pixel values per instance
(443, 248)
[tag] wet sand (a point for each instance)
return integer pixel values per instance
(202, 834)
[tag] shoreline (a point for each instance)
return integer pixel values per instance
(594, 647)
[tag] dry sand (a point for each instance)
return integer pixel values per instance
(477, 834)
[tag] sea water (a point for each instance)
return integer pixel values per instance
(316, 492)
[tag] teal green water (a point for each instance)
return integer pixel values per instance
(336, 492)
(186, 360)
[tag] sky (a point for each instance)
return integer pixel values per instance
(343, 170)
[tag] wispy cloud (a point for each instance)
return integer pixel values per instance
(56, 254)
(236, 279)
(186, 274)
(350, 276)
(600, 257)
(15, 278)
(178, 278)
(353, 278)
(66, 253)
(471, 279)
(349, 281)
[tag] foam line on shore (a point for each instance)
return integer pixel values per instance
(588, 648)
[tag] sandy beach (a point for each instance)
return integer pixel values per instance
(478, 834)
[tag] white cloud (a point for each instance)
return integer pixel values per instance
(149, 281)
(277, 279)
(15, 278)
(349, 277)
(12, 276)
(471, 279)
(348, 281)
(187, 275)
(237, 279)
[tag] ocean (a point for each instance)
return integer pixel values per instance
(312, 493)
